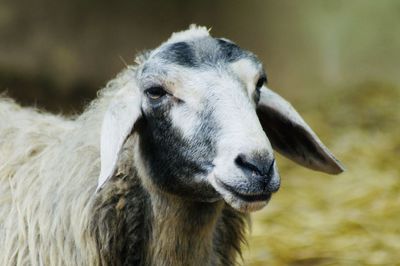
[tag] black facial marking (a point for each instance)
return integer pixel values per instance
(174, 161)
(180, 53)
(204, 52)
(230, 51)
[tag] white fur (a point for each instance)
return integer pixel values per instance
(118, 122)
(248, 72)
(193, 33)
(233, 109)
(49, 166)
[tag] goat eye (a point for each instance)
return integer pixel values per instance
(155, 93)
(261, 81)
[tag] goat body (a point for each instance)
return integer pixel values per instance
(161, 169)
(50, 214)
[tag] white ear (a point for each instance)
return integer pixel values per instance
(118, 123)
(290, 135)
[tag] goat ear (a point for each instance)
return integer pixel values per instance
(290, 135)
(119, 119)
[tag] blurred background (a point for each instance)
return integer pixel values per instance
(337, 61)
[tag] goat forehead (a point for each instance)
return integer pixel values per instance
(200, 68)
(202, 52)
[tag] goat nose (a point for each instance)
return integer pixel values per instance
(260, 171)
(256, 165)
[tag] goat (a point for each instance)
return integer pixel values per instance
(163, 168)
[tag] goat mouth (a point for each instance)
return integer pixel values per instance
(242, 202)
(251, 197)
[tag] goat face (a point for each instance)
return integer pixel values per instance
(207, 122)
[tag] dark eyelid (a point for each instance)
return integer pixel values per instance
(167, 90)
(262, 80)
(157, 85)
(263, 76)
(155, 88)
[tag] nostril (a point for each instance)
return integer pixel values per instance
(271, 168)
(246, 164)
